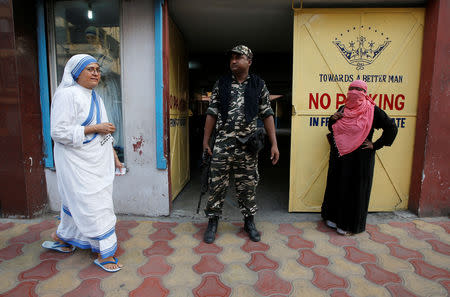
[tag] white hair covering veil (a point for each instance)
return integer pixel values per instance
(73, 68)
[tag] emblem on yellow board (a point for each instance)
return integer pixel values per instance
(364, 49)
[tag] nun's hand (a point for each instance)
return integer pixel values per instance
(105, 128)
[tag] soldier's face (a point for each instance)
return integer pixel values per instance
(239, 63)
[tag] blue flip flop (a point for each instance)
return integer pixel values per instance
(58, 246)
(101, 265)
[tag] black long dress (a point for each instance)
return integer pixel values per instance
(349, 179)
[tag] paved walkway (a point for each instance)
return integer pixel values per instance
(398, 258)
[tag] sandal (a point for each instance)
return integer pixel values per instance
(58, 246)
(101, 265)
(343, 233)
(330, 224)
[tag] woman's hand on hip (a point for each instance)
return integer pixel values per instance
(367, 144)
(337, 115)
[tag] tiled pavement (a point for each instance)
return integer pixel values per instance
(398, 258)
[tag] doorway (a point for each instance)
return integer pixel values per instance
(207, 61)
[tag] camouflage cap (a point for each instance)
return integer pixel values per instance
(243, 50)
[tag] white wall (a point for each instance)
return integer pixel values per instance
(144, 189)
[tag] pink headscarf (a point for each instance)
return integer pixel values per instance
(353, 128)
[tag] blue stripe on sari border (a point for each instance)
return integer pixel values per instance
(108, 252)
(105, 235)
(66, 210)
(86, 245)
(75, 242)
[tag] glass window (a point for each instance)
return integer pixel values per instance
(93, 27)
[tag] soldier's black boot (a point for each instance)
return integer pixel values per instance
(210, 234)
(250, 228)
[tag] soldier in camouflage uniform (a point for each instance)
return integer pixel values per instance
(237, 100)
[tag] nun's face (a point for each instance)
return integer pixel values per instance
(90, 76)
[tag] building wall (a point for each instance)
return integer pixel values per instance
(22, 170)
(429, 192)
(144, 189)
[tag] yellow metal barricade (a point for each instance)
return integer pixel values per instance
(333, 47)
(178, 110)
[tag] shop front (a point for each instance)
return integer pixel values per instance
(123, 37)
(308, 70)
(160, 59)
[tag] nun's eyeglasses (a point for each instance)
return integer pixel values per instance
(92, 70)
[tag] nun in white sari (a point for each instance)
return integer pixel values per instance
(85, 164)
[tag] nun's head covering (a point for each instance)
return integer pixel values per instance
(73, 69)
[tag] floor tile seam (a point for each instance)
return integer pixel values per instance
(436, 280)
(415, 230)
(389, 244)
(347, 286)
(4, 260)
(203, 275)
(434, 250)
(343, 245)
(164, 229)
(438, 252)
(418, 224)
(315, 265)
(256, 251)
(23, 242)
(190, 263)
(18, 272)
(46, 260)
(273, 294)
(229, 245)
(412, 230)
(274, 270)
(209, 273)
(347, 275)
(362, 249)
(278, 294)
(415, 269)
(387, 283)
(34, 285)
(16, 283)
(10, 224)
(445, 241)
(206, 253)
(149, 259)
(159, 276)
(409, 258)
(384, 242)
(377, 261)
(346, 289)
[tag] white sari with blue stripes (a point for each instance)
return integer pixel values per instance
(85, 171)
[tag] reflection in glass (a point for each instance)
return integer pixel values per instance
(96, 33)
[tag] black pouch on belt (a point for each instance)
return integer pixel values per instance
(254, 142)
